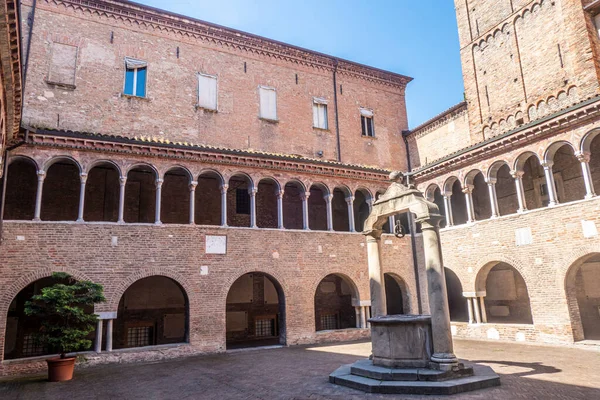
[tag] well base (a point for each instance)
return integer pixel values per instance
(364, 375)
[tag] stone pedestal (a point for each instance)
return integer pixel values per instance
(401, 341)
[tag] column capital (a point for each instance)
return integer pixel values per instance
(430, 222)
(468, 189)
(547, 164)
(374, 235)
(350, 199)
(447, 195)
(122, 180)
(583, 156)
(370, 202)
(517, 174)
(279, 193)
(304, 196)
(252, 191)
(192, 185)
(224, 188)
(491, 181)
(83, 177)
(159, 183)
(328, 197)
(41, 174)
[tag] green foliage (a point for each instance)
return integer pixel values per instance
(64, 309)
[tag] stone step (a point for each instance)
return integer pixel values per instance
(484, 378)
(367, 369)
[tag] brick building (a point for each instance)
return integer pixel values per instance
(216, 182)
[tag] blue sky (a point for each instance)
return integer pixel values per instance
(414, 38)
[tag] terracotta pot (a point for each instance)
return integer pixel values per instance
(60, 369)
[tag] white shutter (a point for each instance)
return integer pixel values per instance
(323, 116)
(316, 115)
(365, 112)
(207, 91)
(268, 103)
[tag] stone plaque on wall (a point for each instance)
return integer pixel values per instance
(216, 244)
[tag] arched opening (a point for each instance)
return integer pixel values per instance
(140, 195)
(208, 199)
(386, 228)
(19, 339)
(21, 189)
(507, 299)
(396, 293)
(438, 199)
(594, 149)
(582, 286)
(255, 313)
(152, 311)
(534, 183)
(317, 207)
(60, 195)
(333, 303)
(481, 198)
(506, 191)
(102, 193)
(568, 176)
(339, 208)
(238, 200)
(361, 208)
(175, 197)
(292, 205)
(266, 203)
(459, 205)
(457, 303)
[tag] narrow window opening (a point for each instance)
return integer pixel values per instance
(320, 114)
(135, 78)
(560, 57)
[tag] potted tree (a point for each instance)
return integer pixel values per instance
(67, 321)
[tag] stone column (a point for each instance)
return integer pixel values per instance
(98, 344)
(38, 195)
(83, 178)
(475, 301)
(192, 186)
(448, 209)
(304, 196)
(363, 318)
(584, 159)
(368, 313)
(109, 335)
(493, 197)
(468, 191)
(518, 175)
(553, 198)
(350, 202)
(357, 311)
(328, 199)
(252, 193)
(376, 279)
(122, 183)
(224, 188)
(159, 183)
(443, 350)
(280, 209)
(470, 309)
(482, 307)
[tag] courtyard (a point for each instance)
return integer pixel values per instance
(526, 371)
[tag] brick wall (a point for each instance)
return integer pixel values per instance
(95, 102)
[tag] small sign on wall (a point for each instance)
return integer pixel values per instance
(216, 244)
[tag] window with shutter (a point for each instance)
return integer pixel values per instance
(63, 61)
(366, 120)
(320, 113)
(135, 77)
(268, 103)
(207, 92)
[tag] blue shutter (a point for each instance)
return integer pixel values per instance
(140, 89)
(129, 82)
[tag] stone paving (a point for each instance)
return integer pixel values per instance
(527, 372)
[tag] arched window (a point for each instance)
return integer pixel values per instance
(60, 194)
(317, 207)
(255, 313)
(534, 182)
(175, 197)
(266, 203)
(340, 210)
(361, 208)
(102, 193)
(582, 285)
(459, 205)
(396, 293)
(21, 189)
(333, 303)
(481, 198)
(152, 311)
(568, 175)
(140, 195)
(292, 205)
(208, 199)
(506, 191)
(239, 204)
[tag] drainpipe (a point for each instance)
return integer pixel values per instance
(413, 226)
(335, 105)
(4, 179)
(26, 64)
